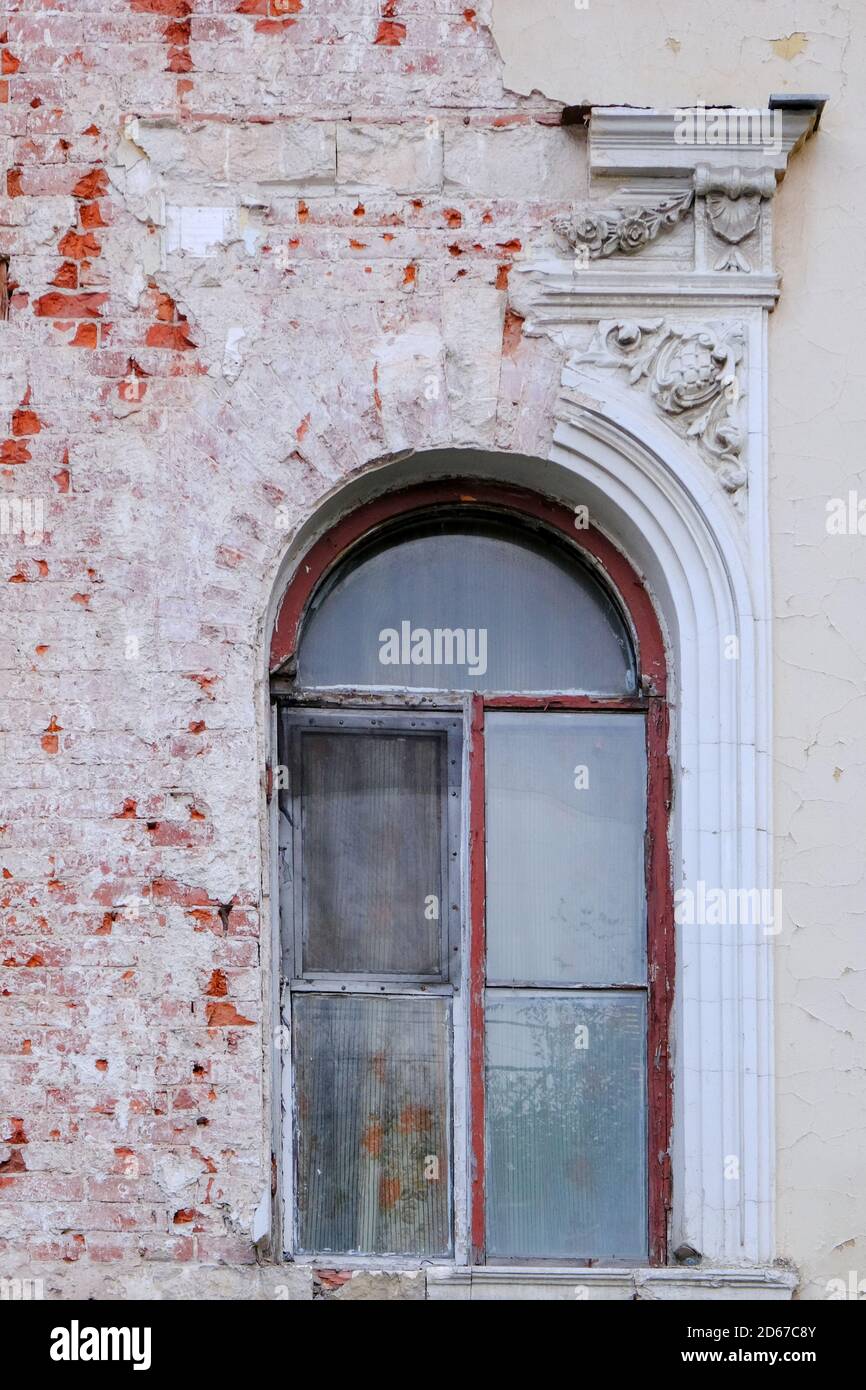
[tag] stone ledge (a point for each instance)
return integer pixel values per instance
(645, 1285)
(291, 1282)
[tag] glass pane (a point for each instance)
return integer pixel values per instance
(373, 825)
(461, 606)
(373, 1124)
(566, 814)
(566, 1125)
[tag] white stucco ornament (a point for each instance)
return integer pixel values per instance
(691, 374)
(662, 417)
(663, 281)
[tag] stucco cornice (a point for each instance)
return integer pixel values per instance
(693, 197)
(625, 140)
(668, 271)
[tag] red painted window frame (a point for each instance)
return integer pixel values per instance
(618, 576)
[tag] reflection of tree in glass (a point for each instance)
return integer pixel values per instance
(564, 1123)
(372, 1107)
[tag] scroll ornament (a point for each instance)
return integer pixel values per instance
(692, 378)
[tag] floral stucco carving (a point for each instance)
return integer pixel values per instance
(691, 373)
(610, 230)
(732, 198)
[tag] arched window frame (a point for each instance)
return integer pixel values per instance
(624, 585)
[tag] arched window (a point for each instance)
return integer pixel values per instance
(474, 887)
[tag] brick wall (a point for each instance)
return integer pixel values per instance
(252, 248)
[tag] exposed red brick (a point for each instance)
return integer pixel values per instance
(49, 740)
(67, 276)
(25, 422)
(13, 183)
(168, 335)
(332, 1278)
(78, 246)
(390, 33)
(166, 309)
(217, 985)
(512, 332)
(14, 451)
(273, 26)
(86, 336)
(9, 63)
(178, 32)
(91, 216)
(410, 274)
(179, 60)
(175, 9)
(225, 1015)
(205, 682)
(70, 306)
(92, 185)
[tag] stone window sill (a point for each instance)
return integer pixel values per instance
(652, 1285)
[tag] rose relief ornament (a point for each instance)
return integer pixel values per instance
(622, 230)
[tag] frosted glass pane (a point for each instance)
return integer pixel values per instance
(460, 607)
(372, 850)
(566, 1125)
(566, 815)
(373, 1124)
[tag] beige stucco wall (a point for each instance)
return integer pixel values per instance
(670, 53)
